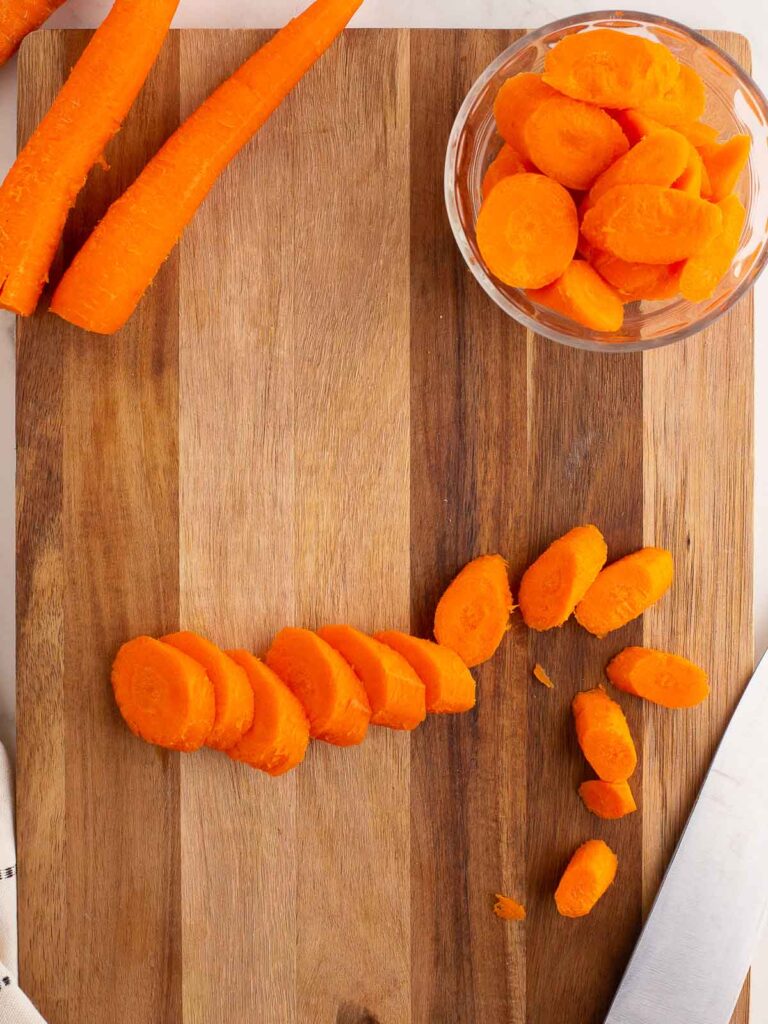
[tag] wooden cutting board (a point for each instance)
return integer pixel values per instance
(318, 416)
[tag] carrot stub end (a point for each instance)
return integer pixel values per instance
(666, 679)
(587, 878)
(472, 616)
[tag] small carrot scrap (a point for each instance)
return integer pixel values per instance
(603, 735)
(20, 17)
(508, 909)
(651, 224)
(666, 679)
(635, 282)
(515, 101)
(624, 589)
(724, 162)
(472, 616)
(559, 578)
(450, 687)
(610, 68)
(233, 693)
(395, 693)
(527, 230)
(164, 696)
(698, 133)
(581, 294)
(609, 800)
(589, 875)
(326, 685)
(540, 675)
(507, 162)
(683, 103)
(702, 273)
(657, 159)
(278, 738)
(573, 142)
(694, 179)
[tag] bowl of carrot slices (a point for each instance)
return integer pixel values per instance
(606, 180)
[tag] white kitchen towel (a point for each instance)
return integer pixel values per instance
(15, 1008)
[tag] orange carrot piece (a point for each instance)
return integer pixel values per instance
(635, 282)
(331, 694)
(693, 176)
(555, 583)
(683, 103)
(610, 68)
(507, 162)
(395, 693)
(651, 224)
(609, 800)
(278, 738)
(450, 687)
(603, 735)
(233, 693)
(527, 230)
(472, 616)
(508, 909)
(724, 162)
(624, 589)
(572, 141)
(702, 273)
(117, 264)
(164, 696)
(515, 101)
(20, 17)
(50, 171)
(636, 125)
(698, 133)
(582, 295)
(657, 159)
(666, 679)
(589, 875)
(542, 677)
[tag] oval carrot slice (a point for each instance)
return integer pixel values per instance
(527, 230)
(582, 295)
(657, 159)
(278, 738)
(724, 162)
(507, 162)
(555, 583)
(702, 273)
(609, 800)
(683, 103)
(573, 142)
(233, 693)
(395, 693)
(325, 684)
(449, 684)
(624, 589)
(515, 101)
(666, 679)
(603, 735)
(164, 696)
(635, 282)
(472, 616)
(589, 875)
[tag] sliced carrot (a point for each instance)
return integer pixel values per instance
(582, 295)
(724, 162)
(636, 125)
(589, 875)
(515, 101)
(610, 68)
(50, 171)
(666, 679)
(701, 274)
(449, 684)
(20, 17)
(555, 583)
(278, 738)
(395, 693)
(508, 909)
(608, 800)
(507, 162)
(164, 696)
(698, 133)
(542, 677)
(637, 282)
(603, 735)
(657, 159)
(572, 141)
(234, 696)
(527, 230)
(693, 176)
(117, 264)
(624, 589)
(683, 103)
(472, 616)
(651, 224)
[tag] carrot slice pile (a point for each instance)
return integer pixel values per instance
(555, 583)
(636, 281)
(164, 696)
(277, 740)
(702, 273)
(582, 294)
(20, 17)
(234, 696)
(395, 693)
(724, 162)
(666, 679)
(450, 687)
(508, 909)
(516, 100)
(330, 692)
(603, 735)
(657, 159)
(587, 878)
(609, 800)
(624, 590)
(472, 616)
(507, 162)
(683, 103)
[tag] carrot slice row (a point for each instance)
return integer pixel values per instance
(472, 616)
(588, 876)
(666, 679)
(560, 577)
(603, 734)
(449, 685)
(609, 800)
(624, 589)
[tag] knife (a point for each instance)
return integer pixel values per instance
(697, 944)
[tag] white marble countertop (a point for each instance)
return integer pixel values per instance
(746, 16)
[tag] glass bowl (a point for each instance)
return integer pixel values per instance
(735, 105)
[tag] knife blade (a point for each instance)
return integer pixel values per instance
(697, 944)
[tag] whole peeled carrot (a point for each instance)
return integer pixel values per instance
(20, 17)
(42, 185)
(118, 262)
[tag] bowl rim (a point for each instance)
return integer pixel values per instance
(477, 268)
